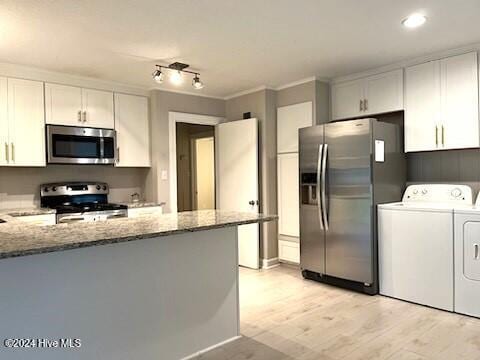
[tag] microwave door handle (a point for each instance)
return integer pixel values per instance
(324, 185)
(319, 169)
(102, 148)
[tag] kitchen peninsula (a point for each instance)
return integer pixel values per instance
(154, 287)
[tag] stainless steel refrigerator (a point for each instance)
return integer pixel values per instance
(346, 169)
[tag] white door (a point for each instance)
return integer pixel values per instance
(26, 121)
(422, 107)
(63, 104)
(4, 153)
(237, 181)
(131, 123)
(288, 196)
(289, 120)
(459, 86)
(98, 109)
(346, 99)
(384, 92)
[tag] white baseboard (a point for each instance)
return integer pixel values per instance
(198, 353)
(270, 263)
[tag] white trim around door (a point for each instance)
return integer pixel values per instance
(173, 118)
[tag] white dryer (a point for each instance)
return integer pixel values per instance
(467, 260)
(415, 244)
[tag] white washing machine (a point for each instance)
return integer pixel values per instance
(415, 244)
(467, 260)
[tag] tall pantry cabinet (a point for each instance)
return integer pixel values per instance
(289, 120)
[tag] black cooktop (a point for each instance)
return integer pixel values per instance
(68, 208)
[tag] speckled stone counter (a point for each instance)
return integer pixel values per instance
(142, 204)
(20, 239)
(27, 211)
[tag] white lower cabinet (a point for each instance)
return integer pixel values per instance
(288, 195)
(145, 211)
(40, 220)
(289, 251)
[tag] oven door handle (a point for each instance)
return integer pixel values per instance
(70, 219)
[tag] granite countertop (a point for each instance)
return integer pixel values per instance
(19, 239)
(27, 211)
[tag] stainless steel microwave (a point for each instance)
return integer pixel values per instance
(80, 145)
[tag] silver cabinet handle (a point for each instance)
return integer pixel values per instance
(361, 105)
(365, 104)
(13, 151)
(79, 115)
(324, 185)
(443, 136)
(476, 252)
(118, 155)
(319, 170)
(6, 153)
(84, 116)
(436, 135)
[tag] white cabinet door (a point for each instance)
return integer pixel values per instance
(131, 123)
(346, 98)
(288, 195)
(26, 121)
(289, 120)
(422, 107)
(98, 109)
(459, 109)
(63, 104)
(384, 92)
(4, 143)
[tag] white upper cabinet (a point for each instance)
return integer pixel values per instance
(384, 92)
(442, 104)
(289, 120)
(459, 111)
(422, 107)
(63, 105)
(375, 94)
(98, 108)
(347, 99)
(4, 143)
(26, 123)
(132, 125)
(74, 106)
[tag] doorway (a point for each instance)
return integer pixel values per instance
(195, 152)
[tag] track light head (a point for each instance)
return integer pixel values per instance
(196, 83)
(158, 76)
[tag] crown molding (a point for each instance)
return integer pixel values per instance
(246, 92)
(301, 81)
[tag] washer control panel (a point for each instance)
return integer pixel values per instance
(439, 193)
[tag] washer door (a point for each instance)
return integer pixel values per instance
(471, 250)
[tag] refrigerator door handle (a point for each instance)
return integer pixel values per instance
(324, 185)
(318, 195)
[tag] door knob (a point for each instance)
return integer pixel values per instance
(253, 202)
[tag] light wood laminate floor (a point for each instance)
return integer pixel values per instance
(286, 317)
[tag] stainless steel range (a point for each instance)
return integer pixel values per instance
(80, 201)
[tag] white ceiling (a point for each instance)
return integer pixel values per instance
(235, 44)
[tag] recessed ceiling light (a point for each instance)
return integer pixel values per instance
(414, 20)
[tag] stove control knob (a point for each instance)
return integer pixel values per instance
(424, 191)
(54, 188)
(105, 187)
(98, 187)
(456, 192)
(46, 189)
(415, 192)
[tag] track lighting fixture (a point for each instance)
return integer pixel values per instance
(175, 75)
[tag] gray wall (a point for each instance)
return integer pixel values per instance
(161, 103)
(19, 187)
